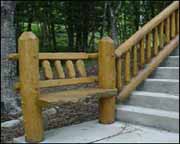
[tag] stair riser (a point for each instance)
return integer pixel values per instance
(165, 123)
(164, 73)
(170, 62)
(175, 52)
(163, 103)
(160, 86)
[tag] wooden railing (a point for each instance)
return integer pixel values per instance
(146, 49)
(57, 59)
(150, 45)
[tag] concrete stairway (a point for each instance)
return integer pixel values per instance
(155, 102)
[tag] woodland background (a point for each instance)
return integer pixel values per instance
(65, 26)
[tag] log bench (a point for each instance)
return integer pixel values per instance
(30, 83)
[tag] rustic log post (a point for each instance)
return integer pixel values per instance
(127, 67)
(148, 46)
(119, 83)
(135, 61)
(29, 76)
(173, 25)
(107, 79)
(177, 22)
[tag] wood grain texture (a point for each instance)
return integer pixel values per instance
(59, 69)
(28, 46)
(173, 25)
(127, 68)
(135, 61)
(142, 53)
(148, 47)
(161, 37)
(81, 68)
(177, 22)
(107, 79)
(62, 82)
(92, 55)
(47, 69)
(74, 96)
(155, 41)
(59, 56)
(70, 69)
(167, 30)
(119, 84)
(62, 56)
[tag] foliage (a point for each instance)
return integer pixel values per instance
(78, 25)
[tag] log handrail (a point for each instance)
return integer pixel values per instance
(138, 56)
(60, 56)
(135, 38)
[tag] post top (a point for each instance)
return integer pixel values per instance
(28, 35)
(106, 39)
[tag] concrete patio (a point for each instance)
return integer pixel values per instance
(118, 132)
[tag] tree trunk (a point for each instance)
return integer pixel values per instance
(53, 36)
(113, 28)
(8, 68)
(70, 32)
(29, 24)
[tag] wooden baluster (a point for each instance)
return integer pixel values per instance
(161, 39)
(81, 68)
(28, 47)
(148, 46)
(127, 67)
(142, 59)
(119, 74)
(177, 22)
(155, 41)
(135, 64)
(47, 69)
(59, 69)
(167, 30)
(107, 79)
(173, 25)
(70, 69)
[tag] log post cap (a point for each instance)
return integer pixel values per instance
(28, 36)
(106, 40)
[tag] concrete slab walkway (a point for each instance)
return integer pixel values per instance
(118, 132)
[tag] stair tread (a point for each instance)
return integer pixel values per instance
(162, 80)
(155, 94)
(172, 56)
(74, 95)
(161, 67)
(149, 111)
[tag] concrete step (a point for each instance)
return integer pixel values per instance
(154, 100)
(175, 52)
(166, 73)
(171, 61)
(169, 86)
(148, 117)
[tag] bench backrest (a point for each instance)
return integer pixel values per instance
(74, 66)
(30, 59)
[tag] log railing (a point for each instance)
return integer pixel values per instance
(146, 49)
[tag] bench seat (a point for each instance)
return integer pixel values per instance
(74, 96)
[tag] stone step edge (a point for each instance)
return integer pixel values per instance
(148, 111)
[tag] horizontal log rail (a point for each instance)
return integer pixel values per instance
(62, 82)
(146, 49)
(60, 56)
